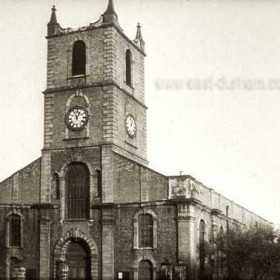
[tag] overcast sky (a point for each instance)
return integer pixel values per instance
(212, 88)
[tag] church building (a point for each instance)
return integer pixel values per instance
(90, 207)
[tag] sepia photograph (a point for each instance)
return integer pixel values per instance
(140, 140)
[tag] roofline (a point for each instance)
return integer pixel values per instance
(91, 27)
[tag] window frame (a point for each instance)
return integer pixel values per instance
(86, 190)
(56, 184)
(79, 65)
(145, 230)
(128, 68)
(8, 230)
(202, 246)
(137, 229)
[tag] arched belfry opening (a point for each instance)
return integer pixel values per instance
(128, 68)
(79, 58)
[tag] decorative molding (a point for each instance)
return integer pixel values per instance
(136, 228)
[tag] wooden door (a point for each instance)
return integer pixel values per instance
(78, 261)
(145, 271)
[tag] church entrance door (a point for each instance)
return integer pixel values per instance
(78, 261)
(145, 271)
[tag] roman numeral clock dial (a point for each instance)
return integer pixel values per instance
(76, 118)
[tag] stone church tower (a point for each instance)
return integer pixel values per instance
(97, 74)
(94, 108)
(89, 207)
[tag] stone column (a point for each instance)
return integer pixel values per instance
(187, 245)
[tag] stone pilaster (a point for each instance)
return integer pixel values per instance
(45, 193)
(109, 119)
(107, 175)
(187, 245)
(44, 248)
(48, 120)
(15, 192)
(215, 231)
(107, 244)
(144, 195)
(110, 54)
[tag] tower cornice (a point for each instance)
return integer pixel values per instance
(101, 84)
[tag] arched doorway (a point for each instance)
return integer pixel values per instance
(145, 271)
(78, 260)
(87, 245)
(14, 264)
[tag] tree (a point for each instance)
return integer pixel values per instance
(240, 254)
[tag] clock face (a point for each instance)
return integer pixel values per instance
(130, 125)
(76, 118)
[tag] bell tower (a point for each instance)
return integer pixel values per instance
(95, 88)
(94, 112)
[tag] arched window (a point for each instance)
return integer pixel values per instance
(220, 258)
(202, 246)
(14, 226)
(56, 186)
(99, 183)
(77, 191)
(79, 58)
(145, 227)
(145, 271)
(128, 60)
(222, 232)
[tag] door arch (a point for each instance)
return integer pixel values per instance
(87, 243)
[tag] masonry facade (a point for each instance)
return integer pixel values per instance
(90, 207)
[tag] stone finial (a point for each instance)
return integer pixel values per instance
(110, 8)
(53, 16)
(53, 26)
(139, 39)
(110, 15)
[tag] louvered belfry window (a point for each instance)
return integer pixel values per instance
(128, 67)
(77, 191)
(79, 58)
(145, 230)
(14, 230)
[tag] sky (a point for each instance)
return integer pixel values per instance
(212, 76)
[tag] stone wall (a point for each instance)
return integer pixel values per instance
(134, 182)
(22, 187)
(28, 253)
(127, 256)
